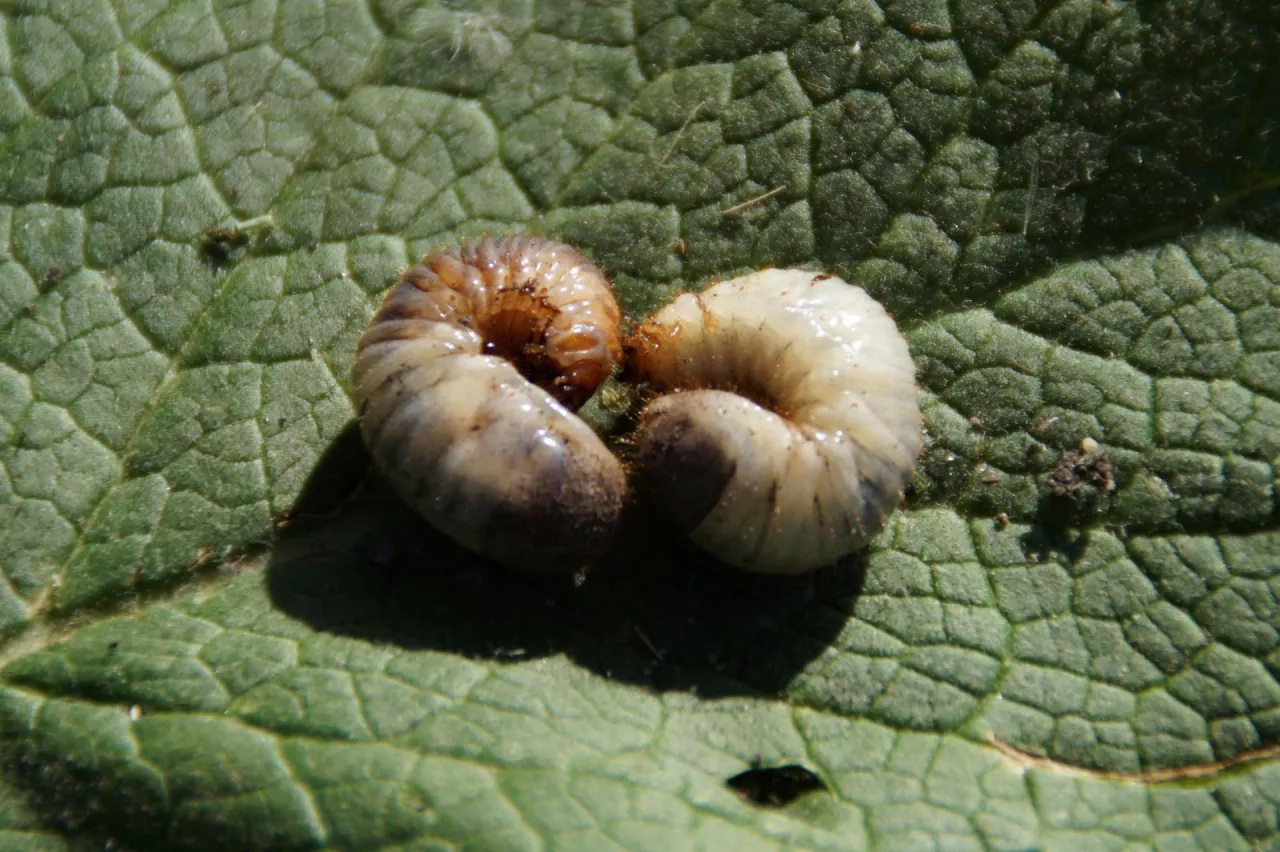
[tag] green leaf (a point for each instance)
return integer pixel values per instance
(219, 633)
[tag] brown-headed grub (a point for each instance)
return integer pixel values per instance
(466, 381)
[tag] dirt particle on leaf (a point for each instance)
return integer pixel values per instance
(204, 555)
(1042, 428)
(218, 245)
(282, 520)
(1082, 467)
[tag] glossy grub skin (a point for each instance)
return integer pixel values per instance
(465, 381)
(790, 420)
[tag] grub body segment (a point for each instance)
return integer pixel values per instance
(790, 396)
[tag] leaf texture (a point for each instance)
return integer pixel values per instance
(220, 634)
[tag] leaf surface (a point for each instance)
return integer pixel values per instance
(221, 634)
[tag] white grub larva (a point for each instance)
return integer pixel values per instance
(791, 420)
(465, 382)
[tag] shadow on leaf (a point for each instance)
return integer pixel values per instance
(353, 560)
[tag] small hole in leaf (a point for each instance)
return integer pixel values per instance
(775, 787)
